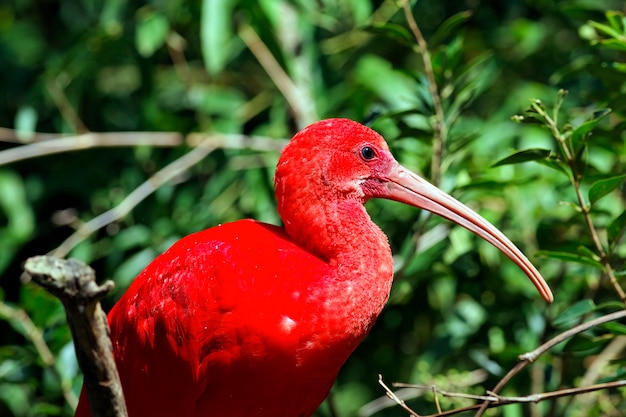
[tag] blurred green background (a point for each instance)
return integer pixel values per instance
(213, 70)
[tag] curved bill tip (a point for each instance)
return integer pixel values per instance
(406, 187)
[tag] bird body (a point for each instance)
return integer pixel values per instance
(245, 333)
(250, 319)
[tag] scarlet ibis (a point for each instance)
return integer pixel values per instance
(250, 319)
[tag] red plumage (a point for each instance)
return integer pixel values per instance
(249, 319)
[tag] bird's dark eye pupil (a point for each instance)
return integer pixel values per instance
(367, 153)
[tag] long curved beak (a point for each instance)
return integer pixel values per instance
(406, 187)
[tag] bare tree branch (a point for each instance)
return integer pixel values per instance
(493, 400)
(86, 141)
(74, 283)
(302, 107)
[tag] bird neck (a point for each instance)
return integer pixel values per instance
(358, 253)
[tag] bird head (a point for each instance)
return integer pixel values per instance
(338, 160)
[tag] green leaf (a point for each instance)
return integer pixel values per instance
(361, 11)
(570, 257)
(616, 20)
(446, 28)
(616, 44)
(524, 156)
(555, 163)
(616, 228)
(26, 123)
(607, 30)
(392, 31)
(574, 312)
(615, 328)
(584, 344)
(603, 187)
(588, 253)
(151, 33)
(583, 130)
(216, 34)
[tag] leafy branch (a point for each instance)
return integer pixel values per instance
(572, 144)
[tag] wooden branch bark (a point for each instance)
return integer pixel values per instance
(74, 283)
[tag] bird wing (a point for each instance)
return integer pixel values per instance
(207, 319)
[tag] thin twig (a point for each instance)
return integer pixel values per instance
(163, 176)
(395, 398)
(176, 45)
(494, 400)
(529, 357)
(15, 136)
(74, 283)
(302, 108)
(87, 141)
(65, 107)
(440, 129)
(534, 354)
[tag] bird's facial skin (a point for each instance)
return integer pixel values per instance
(349, 163)
(386, 178)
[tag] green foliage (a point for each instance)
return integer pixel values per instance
(500, 134)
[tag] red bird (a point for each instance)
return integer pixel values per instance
(250, 319)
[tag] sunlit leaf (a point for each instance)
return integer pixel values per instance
(26, 123)
(615, 328)
(614, 44)
(606, 29)
(616, 20)
(151, 33)
(216, 33)
(603, 187)
(574, 312)
(588, 253)
(570, 257)
(361, 11)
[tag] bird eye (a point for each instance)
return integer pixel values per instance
(368, 153)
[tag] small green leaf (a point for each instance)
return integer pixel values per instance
(392, 31)
(555, 163)
(584, 344)
(448, 26)
(603, 187)
(570, 257)
(216, 34)
(26, 123)
(574, 312)
(583, 130)
(151, 33)
(615, 328)
(607, 30)
(616, 20)
(524, 156)
(588, 253)
(617, 44)
(616, 228)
